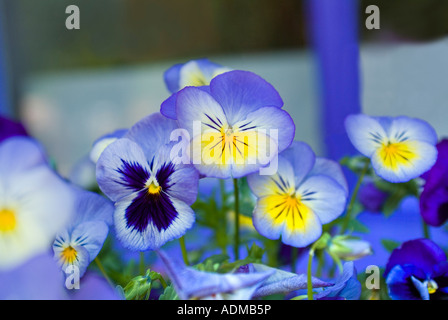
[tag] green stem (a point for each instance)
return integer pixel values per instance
(237, 219)
(103, 271)
(293, 259)
(320, 265)
(162, 281)
(142, 263)
(426, 232)
(349, 213)
(309, 280)
(184, 251)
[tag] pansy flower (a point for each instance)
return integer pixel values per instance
(400, 148)
(434, 197)
(306, 193)
(417, 270)
(190, 283)
(194, 73)
(81, 240)
(152, 194)
(35, 203)
(237, 127)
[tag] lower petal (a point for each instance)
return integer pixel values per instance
(404, 161)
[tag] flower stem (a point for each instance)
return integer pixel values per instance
(309, 280)
(161, 280)
(321, 261)
(293, 259)
(348, 215)
(426, 232)
(103, 272)
(184, 250)
(237, 219)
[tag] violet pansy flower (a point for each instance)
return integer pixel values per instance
(81, 240)
(152, 194)
(35, 203)
(236, 126)
(306, 193)
(400, 148)
(434, 198)
(417, 270)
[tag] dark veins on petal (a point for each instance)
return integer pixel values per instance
(134, 175)
(156, 208)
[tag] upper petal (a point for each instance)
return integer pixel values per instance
(422, 253)
(151, 133)
(302, 158)
(122, 169)
(242, 92)
(365, 133)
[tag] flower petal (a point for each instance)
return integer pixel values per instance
(122, 169)
(302, 158)
(403, 285)
(243, 92)
(272, 121)
(422, 253)
(280, 282)
(140, 225)
(281, 182)
(91, 236)
(196, 105)
(365, 133)
(168, 107)
(412, 129)
(191, 283)
(332, 169)
(407, 160)
(324, 196)
(151, 133)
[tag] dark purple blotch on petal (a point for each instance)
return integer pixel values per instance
(156, 208)
(134, 175)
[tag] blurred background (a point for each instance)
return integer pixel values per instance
(71, 86)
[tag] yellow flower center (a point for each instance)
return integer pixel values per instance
(396, 154)
(154, 189)
(432, 286)
(69, 255)
(8, 220)
(289, 209)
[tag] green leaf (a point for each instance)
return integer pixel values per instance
(169, 294)
(390, 245)
(357, 226)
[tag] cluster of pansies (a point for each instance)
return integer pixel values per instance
(218, 169)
